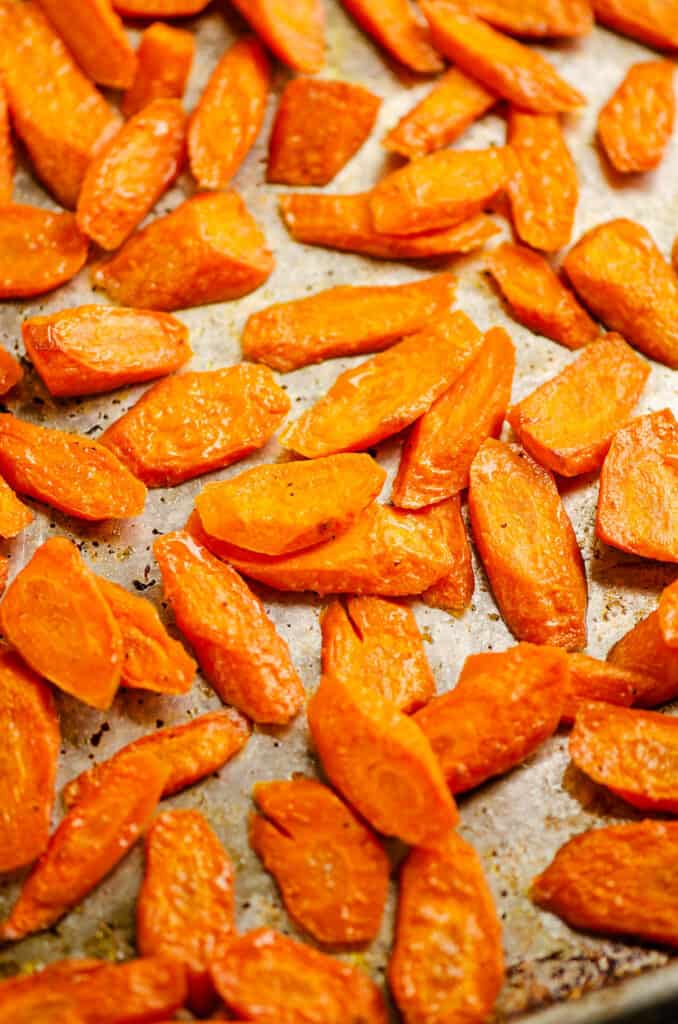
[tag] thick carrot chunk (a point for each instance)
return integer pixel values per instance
(295, 33)
(332, 871)
(398, 29)
(644, 651)
(453, 592)
(654, 22)
(536, 19)
(39, 250)
(164, 61)
(11, 371)
(14, 515)
(590, 679)
(6, 151)
(668, 615)
(636, 123)
(528, 547)
(94, 34)
(282, 508)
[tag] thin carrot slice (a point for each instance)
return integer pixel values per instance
(638, 498)
(6, 151)
(295, 33)
(344, 321)
(387, 392)
(94, 34)
(654, 22)
(619, 880)
(636, 123)
(10, 371)
(537, 297)
(441, 446)
(380, 761)
(228, 118)
(504, 66)
(398, 29)
(14, 515)
(236, 643)
(440, 190)
(453, 592)
(197, 422)
(331, 869)
(668, 615)
(74, 474)
(534, 19)
(301, 150)
(28, 762)
(644, 651)
(180, 921)
(164, 60)
(345, 222)
(279, 509)
(452, 105)
(91, 839)
(528, 547)
(378, 642)
(63, 126)
(591, 679)
(568, 423)
(39, 250)
(446, 915)
(58, 620)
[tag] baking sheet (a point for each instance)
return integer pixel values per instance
(516, 823)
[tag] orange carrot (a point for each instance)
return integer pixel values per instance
(11, 371)
(636, 123)
(536, 19)
(94, 34)
(653, 22)
(6, 151)
(668, 615)
(398, 29)
(159, 8)
(590, 679)
(14, 515)
(39, 250)
(164, 60)
(294, 32)
(453, 592)
(644, 651)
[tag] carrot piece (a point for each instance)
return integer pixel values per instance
(619, 880)
(331, 869)
(528, 547)
(668, 614)
(644, 651)
(186, 922)
(94, 34)
(397, 28)
(301, 150)
(278, 509)
(380, 761)
(218, 253)
(92, 349)
(537, 297)
(619, 272)
(192, 424)
(190, 752)
(64, 126)
(6, 151)
(567, 424)
(289, 335)
(90, 840)
(654, 22)
(441, 446)
(4, 573)
(14, 515)
(638, 497)
(636, 123)
(591, 679)
(378, 642)
(28, 762)
(10, 371)
(453, 592)
(39, 250)
(56, 617)
(345, 222)
(236, 643)
(159, 8)
(164, 60)
(295, 33)
(72, 473)
(440, 190)
(534, 19)
(228, 118)
(386, 392)
(501, 64)
(446, 914)
(544, 190)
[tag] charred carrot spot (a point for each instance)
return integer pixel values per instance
(590, 679)
(535, 19)
(636, 123)
(10, 371)
(654, 22)
(94, 34)
(14, 515)
(6, 151)
(39, 250)
(453, 592)
(294, 32)
(397, 28)
(668, 615)
(164, 60)
(643, 650)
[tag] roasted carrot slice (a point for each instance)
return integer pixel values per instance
(301, 150)
(591, 679)
(446, 914)
(534, 19)
(654, 22)
(643, 650)
(619, 272)
(398, 29)
(568, 423)
(289, 335)
(668, 615)
(378, 642)
(294, 32)
(282, 508)
(345, 222)
(197, 422)
(544, 190)
(503, 707)
(331, 869)
(91, 839)
(64, 126)
(4, 573)
(453, 592)
(14, 515)
(10, 371)
(387, 392)
(452, 105)
(619, 880)
(91, 349)
(159, 8)
(94, 34)
(537, 297)
(186, 922)
(228, 118)
(380, 761)
(164, 61)
(638, 498)
(39, 250)
(440, 190)
(57, 618)
(190, 752)
(28, 762)
(6, 151)
(635, 125)
(236, 643)
(442, 444)
(73, 473)
(528, 547)
(504, 66)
